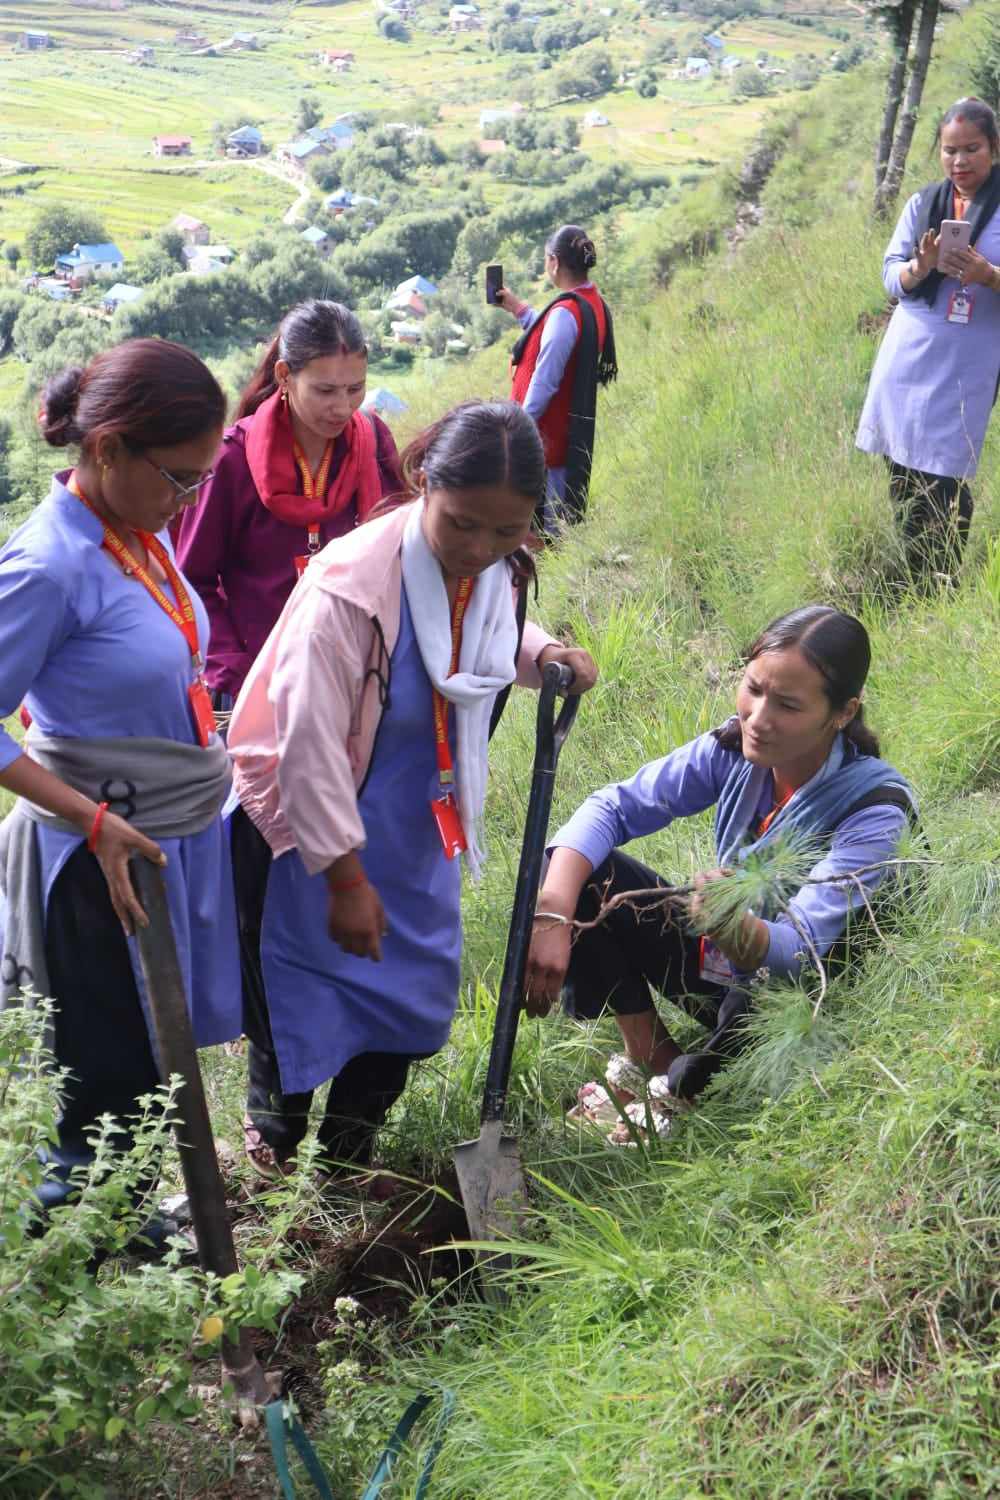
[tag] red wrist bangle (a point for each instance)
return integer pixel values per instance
(348, 885)
(95, 831)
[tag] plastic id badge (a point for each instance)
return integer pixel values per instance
(715, 966)
(202, 711)
(960, 305)
(449, 825)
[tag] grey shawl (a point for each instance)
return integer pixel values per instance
(166, 789)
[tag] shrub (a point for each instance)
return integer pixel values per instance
(88, 1358)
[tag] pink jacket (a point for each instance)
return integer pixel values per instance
(304, 725)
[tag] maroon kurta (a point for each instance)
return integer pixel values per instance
(241, 558)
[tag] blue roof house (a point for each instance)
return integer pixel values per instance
(418, 284)
(339, 135)
(317, 238)
(119, 294)
(90, 260)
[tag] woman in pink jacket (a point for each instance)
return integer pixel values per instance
(360, 745)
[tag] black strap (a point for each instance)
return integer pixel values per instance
(935, 206)
(520, 614)
(894, 796)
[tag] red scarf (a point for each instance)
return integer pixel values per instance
(270, 450)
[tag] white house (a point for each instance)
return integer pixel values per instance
(593, 118)
(697, 67)
(90, 260)
(119, 294)
(418, 284)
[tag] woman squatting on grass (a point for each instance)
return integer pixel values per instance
(360, 744)
(103, 642)
(935, 378)
(796, 759)
(301, 465)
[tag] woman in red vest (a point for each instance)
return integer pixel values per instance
(567, 351)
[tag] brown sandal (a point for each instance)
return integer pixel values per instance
(265, 1161)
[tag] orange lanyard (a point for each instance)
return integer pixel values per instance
(446, 770)
(184, 616)
(766, 822)
(314, 485)
(958, 206)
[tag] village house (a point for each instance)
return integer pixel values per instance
(418, 284)
(407, 333)
(120, 294)
(339, 135)
(84, 261)
(171, 145)
(35, 41)
(220, 254)
(489, 118)
(203, 264)
(464, 18)
(188, 38)
(317, 238)
(340, 60)
(240, 41)
(594, 120)
(299, 153)
(383, 402)
(343, 201)
(142, 55)
(246, 141)
(411, 304)
(730, 64)
(192, 229)
(697, 67)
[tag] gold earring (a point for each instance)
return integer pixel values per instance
(284, 394)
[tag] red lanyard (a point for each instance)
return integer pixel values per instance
(446, 770)
(314, 484)
(182, 613)
(766, 822)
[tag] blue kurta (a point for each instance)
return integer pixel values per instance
(691, 779)
(93, 656)
(932, 388)
(327, 1006)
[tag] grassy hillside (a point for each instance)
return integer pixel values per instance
(794, 1295)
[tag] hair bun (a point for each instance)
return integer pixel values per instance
(585, 246)
(57, 418)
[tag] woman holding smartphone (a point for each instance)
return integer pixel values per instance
(935, 378)
(566, 351)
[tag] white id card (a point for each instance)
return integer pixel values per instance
(715, 966)
(960, 306)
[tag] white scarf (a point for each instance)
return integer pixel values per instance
(485, 663)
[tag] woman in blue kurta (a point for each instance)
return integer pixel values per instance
(360, 743)
(796, 760)
(935, 378)
(95, 643)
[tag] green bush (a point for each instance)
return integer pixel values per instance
(87, 1358)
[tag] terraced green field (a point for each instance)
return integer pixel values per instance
(82, 116)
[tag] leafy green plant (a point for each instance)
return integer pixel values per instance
(90, 1357)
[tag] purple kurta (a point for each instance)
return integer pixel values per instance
(932, 388)
(94, 656)
(241, 558)
(689, 780)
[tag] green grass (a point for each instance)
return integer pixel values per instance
(795, 1295)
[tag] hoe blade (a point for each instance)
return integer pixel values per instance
(491, 1180)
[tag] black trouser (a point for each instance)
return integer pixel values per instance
(613, 965)
(934, 513)
(364, 1090)
(100, 1030)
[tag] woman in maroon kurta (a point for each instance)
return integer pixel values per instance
(302, 465)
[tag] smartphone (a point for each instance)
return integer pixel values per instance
(494, 281)
(954, 237)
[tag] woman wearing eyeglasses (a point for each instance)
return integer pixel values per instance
(302, 465)
(103, 642)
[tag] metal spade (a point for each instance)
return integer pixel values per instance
(490, 1175)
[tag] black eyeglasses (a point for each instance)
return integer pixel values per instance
(183, 490)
